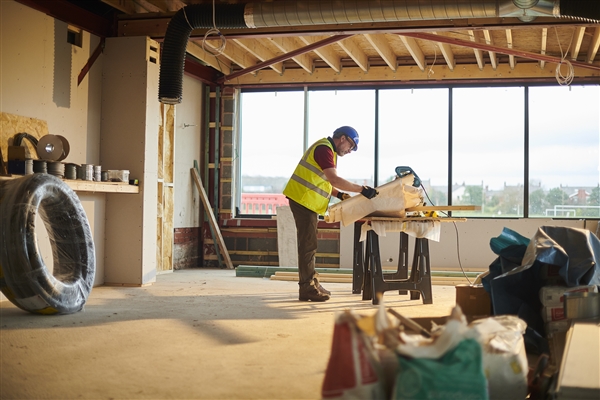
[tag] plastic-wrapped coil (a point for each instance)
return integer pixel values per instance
(24, 278)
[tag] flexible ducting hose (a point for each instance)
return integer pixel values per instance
(24, 278)
(195, 16)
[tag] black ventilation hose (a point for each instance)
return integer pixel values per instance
(589, 9)
(194, 16)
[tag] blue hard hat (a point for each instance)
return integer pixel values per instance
(350, 132)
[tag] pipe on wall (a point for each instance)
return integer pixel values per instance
(316, 12)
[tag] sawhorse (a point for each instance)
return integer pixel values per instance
(368, 277)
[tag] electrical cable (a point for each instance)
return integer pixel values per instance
(18, 139)
(431, 72)
(214, 31)
(458, 254)
(457, 237)
(187, 20)
(564, 80)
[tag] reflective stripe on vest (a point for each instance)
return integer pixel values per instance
(308, 185)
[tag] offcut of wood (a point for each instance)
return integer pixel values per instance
(211, 218)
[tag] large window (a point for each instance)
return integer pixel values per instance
(488, 127)
(330, 109)
(515, 151)
(271, 141)
(564, 144)
(413, 132)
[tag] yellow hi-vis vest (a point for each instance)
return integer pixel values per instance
(308, 185)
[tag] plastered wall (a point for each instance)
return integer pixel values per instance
(38, 79)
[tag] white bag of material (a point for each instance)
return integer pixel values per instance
(504, 358)
(393, 198)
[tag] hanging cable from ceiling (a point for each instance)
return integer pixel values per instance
(218, 50)
(430, 71)
(564, 80)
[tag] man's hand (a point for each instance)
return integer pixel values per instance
(369, 192)
(343, 196)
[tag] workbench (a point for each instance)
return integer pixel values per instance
(368, 277)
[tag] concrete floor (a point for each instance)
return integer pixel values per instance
(194, 334)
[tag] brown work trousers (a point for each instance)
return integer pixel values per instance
(306, 234)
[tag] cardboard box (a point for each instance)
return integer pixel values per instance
(554, 296)
(474, 301)
(553, 300)
(16, 153)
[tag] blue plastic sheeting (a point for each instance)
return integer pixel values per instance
(575, 251)
(516, 276)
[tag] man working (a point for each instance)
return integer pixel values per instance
(314, 181)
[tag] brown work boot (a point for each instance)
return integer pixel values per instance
(318, 285)
(310, 292)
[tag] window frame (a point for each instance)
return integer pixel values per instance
(306, 89)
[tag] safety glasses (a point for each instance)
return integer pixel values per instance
(353, 148)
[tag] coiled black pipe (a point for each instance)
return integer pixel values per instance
(194, 16)
(587, 10)
(24, 278)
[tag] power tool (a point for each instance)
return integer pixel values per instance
(403, 171)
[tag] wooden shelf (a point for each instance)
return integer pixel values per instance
(91, 186)
(103, 187)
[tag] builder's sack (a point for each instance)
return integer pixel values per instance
(504, 357)
(354, 370)
(446, 366)
(458, 374)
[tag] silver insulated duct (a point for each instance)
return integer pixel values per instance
(315, 12)
(324, 12)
